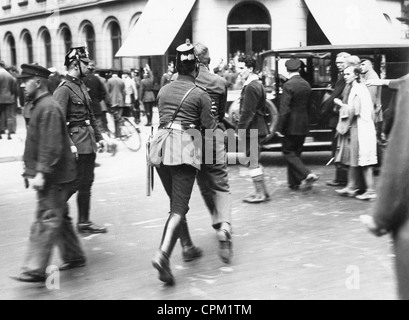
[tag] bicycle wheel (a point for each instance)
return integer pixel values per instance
(130, 135)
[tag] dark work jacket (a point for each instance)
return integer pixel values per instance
(294, 103)
(216, 87)
(96, 91)
(252, 104)
(391, 210)
(75, 102)
(328, 105)
(47, 148)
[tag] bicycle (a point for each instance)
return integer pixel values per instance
(129, 132)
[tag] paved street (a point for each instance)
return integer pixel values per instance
(300, 245)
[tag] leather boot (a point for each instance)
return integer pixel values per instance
(261, 194)
(84, 225)
(161, 261)
(190, 251)
(149, 119)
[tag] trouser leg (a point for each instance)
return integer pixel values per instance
(297, 171)
(45, 230)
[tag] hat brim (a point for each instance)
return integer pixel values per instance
(25, 76)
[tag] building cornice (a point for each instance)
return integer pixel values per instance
(45, 14)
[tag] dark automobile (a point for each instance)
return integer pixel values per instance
(319, 69)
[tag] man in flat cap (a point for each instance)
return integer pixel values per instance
(293, 125)
(73, 97)
(213, 177)
(51, 170)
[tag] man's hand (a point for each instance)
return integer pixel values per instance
(102, 146)
(370, 223)
(38, 181)
(74, 151)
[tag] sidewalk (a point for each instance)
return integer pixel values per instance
(12, 150)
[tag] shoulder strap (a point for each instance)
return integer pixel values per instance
(180, 104)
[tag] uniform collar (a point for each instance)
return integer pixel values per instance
(73, 79)
(186, 77)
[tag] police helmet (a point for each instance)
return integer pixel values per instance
(77, 54)
(186, 59)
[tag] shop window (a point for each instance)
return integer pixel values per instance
(249, 30)
(66, 38)
(116, 42)
(29, 47)
(12, 47)
(90, 41)
(47, 48)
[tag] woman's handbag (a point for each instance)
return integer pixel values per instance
(154, 145)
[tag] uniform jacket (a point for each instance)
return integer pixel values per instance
(195, 110)
(73, 97)
(8, 87)
(47, 146)
(146, 89)
(391, 210)
(252, 104)
(293, 119)
(116, 90)
(216, 87)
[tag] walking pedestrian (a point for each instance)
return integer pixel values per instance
(146, 95)
(8, 100)
(51, 170)
(212, 178)
(362, 135)
(166, 77)
(116, 90)
(182, 105)
(330, 111)
(293, 125)
(390, 213)
(86, 138)
(252, 106)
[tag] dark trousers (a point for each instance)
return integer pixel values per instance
(292, 149)
(148, 110)
(213, 181)
(85, 179)
(52, 227)
(178, 182)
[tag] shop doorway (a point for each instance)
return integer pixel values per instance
(249, 30)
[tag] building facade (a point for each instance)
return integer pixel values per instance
(42, 30)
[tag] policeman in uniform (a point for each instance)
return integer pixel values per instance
(213, 177)
(51, 170)
(73, 97)
(177, 171)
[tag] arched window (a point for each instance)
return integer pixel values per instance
(116, 42)
(90, 40)
(249, 29)
(66, 38)
(46, 38)
(12, 47)
(28, 41)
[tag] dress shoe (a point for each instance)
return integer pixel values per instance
(29, 277)
(309, 180)
(225, 245)
(72, 264)
(191, 253)
(162, 264)
(368, 195)
(347, 192)
(148, 124)
(336, 184)
(294, 187)
(90, 227)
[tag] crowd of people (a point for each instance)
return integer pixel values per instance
(74, 108)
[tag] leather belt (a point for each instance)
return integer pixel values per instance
(176, 126)
(82, 123)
